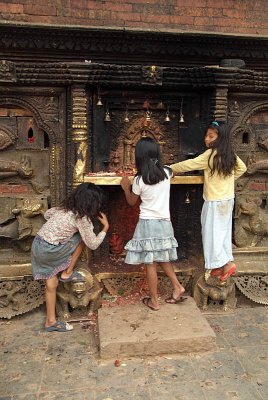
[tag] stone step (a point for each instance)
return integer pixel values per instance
(135, 330)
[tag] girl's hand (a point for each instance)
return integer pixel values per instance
(125, 183)
(104, 221)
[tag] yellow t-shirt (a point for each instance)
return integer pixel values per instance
(216, 187)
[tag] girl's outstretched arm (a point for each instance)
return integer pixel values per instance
(131, 197)
(198, 163)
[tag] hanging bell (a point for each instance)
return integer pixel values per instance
(107, 117)
(187, 199)
(167, 119)
(148, 116)
(99, 102)
(181, 118)
(126, 119)
(160, 105)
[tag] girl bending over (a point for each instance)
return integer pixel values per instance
(59, 242)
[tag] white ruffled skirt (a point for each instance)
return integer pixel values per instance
(153, 241)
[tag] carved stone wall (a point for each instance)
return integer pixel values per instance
(32, 178)
(249, 118)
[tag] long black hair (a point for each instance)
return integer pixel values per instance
(86, 199)
(148, 161)
(224, 160)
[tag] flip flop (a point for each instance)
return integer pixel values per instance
(146, 303)
(172, 300)
(229, 273)
(74, 277)
(59, 326)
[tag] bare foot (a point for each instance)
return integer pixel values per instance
(65, 274)
(177, 293)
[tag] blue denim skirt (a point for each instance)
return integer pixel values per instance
(153, 241)
(49, 259)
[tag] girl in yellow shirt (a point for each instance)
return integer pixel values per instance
(221, 168)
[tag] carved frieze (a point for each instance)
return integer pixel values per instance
(166, 46)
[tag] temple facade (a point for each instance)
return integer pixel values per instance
(81, 83)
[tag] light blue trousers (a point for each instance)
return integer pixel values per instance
(216, 221)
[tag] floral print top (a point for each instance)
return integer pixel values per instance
(61, 225)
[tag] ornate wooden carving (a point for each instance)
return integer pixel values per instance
(167, 48)
(79, 132)
(152, 75)
(218, 104)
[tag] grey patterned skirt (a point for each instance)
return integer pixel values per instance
(49, 259)
(153, 241)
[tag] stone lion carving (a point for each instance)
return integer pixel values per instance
(250, 231)
(213, 289)
(84, 295)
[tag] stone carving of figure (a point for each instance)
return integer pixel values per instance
(13, 168)
(214, 289)
(85, 294)
(250, 232)
(7, 295)
(80, 165)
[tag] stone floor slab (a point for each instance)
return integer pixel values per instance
(135, 330)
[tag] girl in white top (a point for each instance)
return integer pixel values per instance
(153, 241)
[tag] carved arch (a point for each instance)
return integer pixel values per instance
(242, 127)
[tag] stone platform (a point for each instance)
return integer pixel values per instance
(135, 330)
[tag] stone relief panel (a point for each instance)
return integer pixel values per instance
(250, 138)
(24, 181)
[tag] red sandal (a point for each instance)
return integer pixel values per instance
(229, 273)
(216, 271)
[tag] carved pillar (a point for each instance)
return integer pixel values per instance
(218, 104)
(79, 132)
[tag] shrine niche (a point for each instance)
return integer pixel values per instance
(113, 155)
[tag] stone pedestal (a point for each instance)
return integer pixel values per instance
(135, 330)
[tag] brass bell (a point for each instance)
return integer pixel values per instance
(167, 119)
(160, 105)
(187, 199)
(99, 102)
(181, 119)
(148, 116)
(107, 117)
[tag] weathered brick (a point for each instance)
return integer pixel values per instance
(14, 189)
(180, 19)
(40, 10)
(126, 16)
(226, 16)
(259, 186)
(11, 8)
